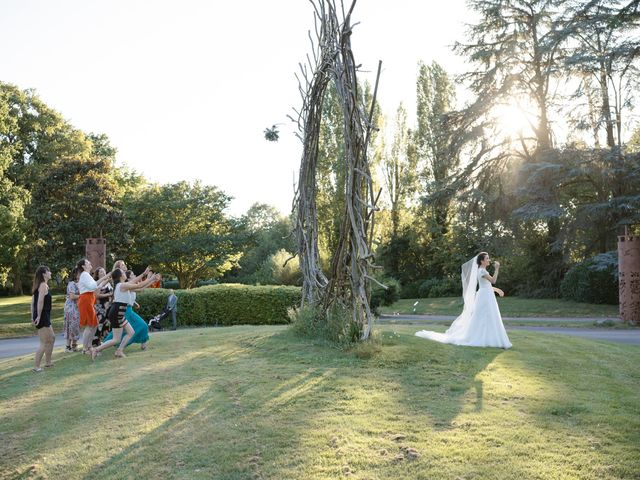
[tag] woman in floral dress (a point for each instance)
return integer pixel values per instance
(71, 313)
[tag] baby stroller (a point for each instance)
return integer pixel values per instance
(170, 308)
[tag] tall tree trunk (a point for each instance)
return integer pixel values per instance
(606, 106)
(16, 275)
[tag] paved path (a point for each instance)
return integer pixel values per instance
(13, 347)
(440, 318)
(631, 337)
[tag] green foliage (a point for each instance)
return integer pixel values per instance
(273, 270)
(437, 153)
(440, 287)
(33, 139)
(335, 326)
(71, 201)
(181, 229)
(399, 171)
(224, 304)
(13, 226)
(272, 134)
(404, 257)
(381, 296)
(262, 233)
(411, 290)
(592, 281)
(330, 173)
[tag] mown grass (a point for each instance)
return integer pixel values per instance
(509, 307)
(259, 403)
(15, 319)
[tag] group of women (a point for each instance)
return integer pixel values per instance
(92, 303)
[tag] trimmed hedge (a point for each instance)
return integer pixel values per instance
(224, 304)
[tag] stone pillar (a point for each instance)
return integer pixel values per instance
(629, 277)
(96, 252)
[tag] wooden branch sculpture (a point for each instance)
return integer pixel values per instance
(333, 61)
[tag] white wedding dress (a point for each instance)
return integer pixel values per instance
(480, 324)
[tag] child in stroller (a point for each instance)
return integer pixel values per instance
(169, 308)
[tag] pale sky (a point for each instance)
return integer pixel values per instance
(185, 89)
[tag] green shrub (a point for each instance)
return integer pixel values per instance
(171, 284)
(336, 326)
(440, 287)
(410, 290)
(591, 282)
(274, 272)
(381, 296)
(224, 304)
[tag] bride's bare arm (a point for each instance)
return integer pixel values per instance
(493, 279)
(498, 291)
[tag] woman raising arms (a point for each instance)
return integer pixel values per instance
(121, 299)
(88, 288)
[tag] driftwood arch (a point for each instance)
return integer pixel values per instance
(348, 281)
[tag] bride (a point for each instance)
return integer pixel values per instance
(480, 323)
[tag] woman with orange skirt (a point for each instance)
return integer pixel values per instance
(88, 287)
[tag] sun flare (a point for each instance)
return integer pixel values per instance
(512, 120)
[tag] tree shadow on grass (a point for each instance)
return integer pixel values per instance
(251, 403)
(247, 416)
(588, 392)
(82, 396)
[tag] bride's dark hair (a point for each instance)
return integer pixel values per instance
(481, 257)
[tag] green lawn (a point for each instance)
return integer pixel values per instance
(509, 307)
(15, 320)
(258, 403)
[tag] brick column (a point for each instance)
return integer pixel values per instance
(96, 252)
(629, 277)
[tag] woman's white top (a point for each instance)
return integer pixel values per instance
(121, 296)
(86, 283)
(483, 282)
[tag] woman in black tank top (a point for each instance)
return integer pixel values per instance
(41, 316)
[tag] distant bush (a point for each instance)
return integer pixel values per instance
(592, 281)
(388, 296)
(440, 287)
(225, 304)
(273, 270)
(410, 290)
(170, 284)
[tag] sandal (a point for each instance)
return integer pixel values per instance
(120, 354)
(36, 369)
(143, 346)
(94, 353)
(49, 366)
(68, 349)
